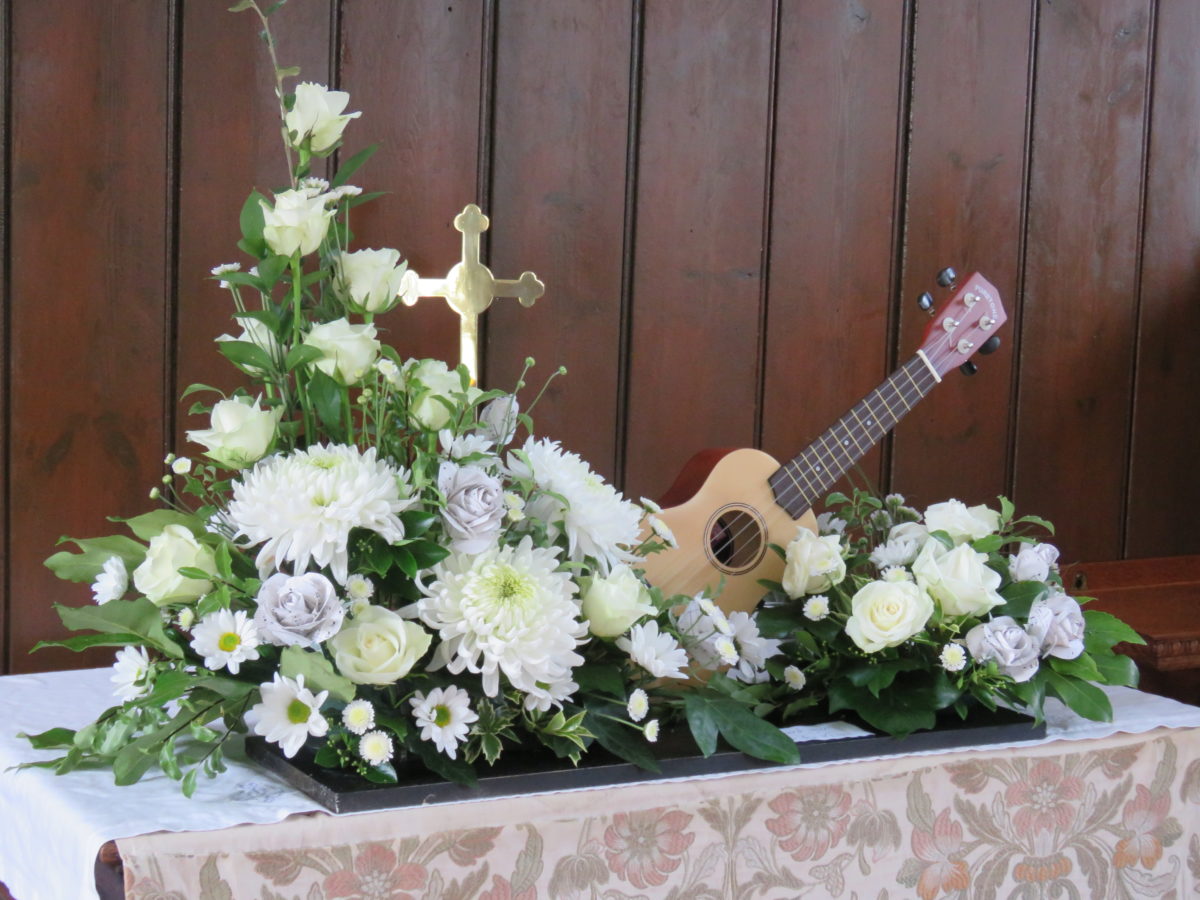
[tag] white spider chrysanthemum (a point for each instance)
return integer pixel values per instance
(288, 714)
(375, 747)
(444, 716)
(129, 673)
(506, 611)
(112, 581)
(358, 716)
(638, 705)
(226, 639)
(656, 652)
(596, 519)
(301, 507)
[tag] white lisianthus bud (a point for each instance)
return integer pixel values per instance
(378, 646)
(350, 350)
(814, 564)
(474, 510)
(317, 114)
(372, 279)
(158, 576)
(614, 603)
(295, 222)
(1002, 639)
(960, 522)
(887, 613)
(241, 432)
(1032, 562)
(1056, 622)
(298, 610)
(959, 580)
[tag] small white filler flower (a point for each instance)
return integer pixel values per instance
(359, 716)
(375, 747)
(226, 639)
(657, 653)
(445, 716)
(288, 714)
(650, 730)
(129, 672)
(112, 581)
(794, 678)
(953, 658)
(638, 705)
(816, 608)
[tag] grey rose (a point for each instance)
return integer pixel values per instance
(298, 609)
(474, 508)
(1056, 622)
(1011, 646)
(1033, 562)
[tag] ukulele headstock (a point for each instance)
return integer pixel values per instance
(965, 325)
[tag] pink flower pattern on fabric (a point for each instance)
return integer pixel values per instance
(644, 847)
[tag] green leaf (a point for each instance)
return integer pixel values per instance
(1116, 668)
(897, 712)
(381, 774)
(169, 685)
(242, 6)
(327, 757)
(745, 731)
(602, 679)
(326, 396)
(1019, 597)
(247, 356)
(1104, 630)
(137, 617)
(87, 641)
(404, 560)
(300, 355)
(427, 553)
(53, 739)
(451, 769)
(701, 722)
(252, 224)
(620, 740)
(318, 672)
(167, 761)
(1084, 699)
(188, 785)
(197, 388)
(1082, 666)
(350, 166)
(988, 544)
(150, 525)
(85, 566)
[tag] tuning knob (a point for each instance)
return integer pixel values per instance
(925, 302)
(947, 277)
(968, 368)
(991, 345)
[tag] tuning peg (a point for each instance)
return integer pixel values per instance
(947, 277)
(968, 368)
(925, 302)
(991, 345)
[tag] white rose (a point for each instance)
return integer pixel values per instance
(350, 350)
(613, 604)
(295, 222)
(378, 646)
(1032, 562)
(498, 419)
(437, 383)
(372, 278)
(474, 509)
(258, 333)
(317, 113)
(960, 522)
(959, 579)
(241, 432)
(299, 609)
(887, 613)
(1056, 623)
(158, 576)
(1011, 646)
(814, 564)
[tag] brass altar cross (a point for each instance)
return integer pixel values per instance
(470, 287)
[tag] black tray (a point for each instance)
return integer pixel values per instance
(341, 791)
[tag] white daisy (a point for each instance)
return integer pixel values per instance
(816, 608)
(953, 658)
(359, 587)
(638, 705)
(359, 716)
(506, 611)
(129, 673)
(794, 678)
(375, 747)
(597, 520)
(226, 639)
(657, 653)
(112, 581)
(650, 730)
(444, 716)
(288, 714)
(301, 507)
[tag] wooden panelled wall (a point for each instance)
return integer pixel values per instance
(733, 205)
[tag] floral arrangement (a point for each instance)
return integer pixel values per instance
(897, 615)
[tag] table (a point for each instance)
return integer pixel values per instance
(1108, 814)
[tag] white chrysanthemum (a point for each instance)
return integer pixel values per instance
(226, 639)
(953, 658)
(506, 611)
(112, 581)
(467, 445)
(794, 678)
(662, 531)
(816, 608)
(445, 716)
(651, 506)
(186, 619)
(650, 730)
(753, 649)
(701, 624)
(301, 507)
(129, 673)
(375, 748)
(359, 587)
(181, 466)
(288, 714)
(359, 716)
(656, 652)
(726, 650)
(638, 705)
(597, 520)
(828, 523)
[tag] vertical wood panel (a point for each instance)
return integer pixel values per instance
(5, 348)
(87, 304)
(413, 69)
(840, 77)
(1077, 328)
(965, 192)
(562, 100)
(694, 369)
(1164, 489)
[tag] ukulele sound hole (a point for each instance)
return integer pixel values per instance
(735, 539)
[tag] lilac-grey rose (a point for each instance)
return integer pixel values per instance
(1013, 648)
(1032, 562)
(298, 609)
(474, 508)
(1057, 623)
(498, 419)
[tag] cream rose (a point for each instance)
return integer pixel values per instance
(959, 579)
(158, 576)
(295, 222)
(961, 522)
(317, 114)
(814, 564)
(241, 432)
(378, 646)
(299, 609)
(438, 385)
(614, 603)
(1056, 623)
(1002, 639)
(372, 279)
(887, 613)
(350, 350)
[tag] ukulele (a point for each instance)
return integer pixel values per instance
(728, 505)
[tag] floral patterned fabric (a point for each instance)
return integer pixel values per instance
(1114, 818)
